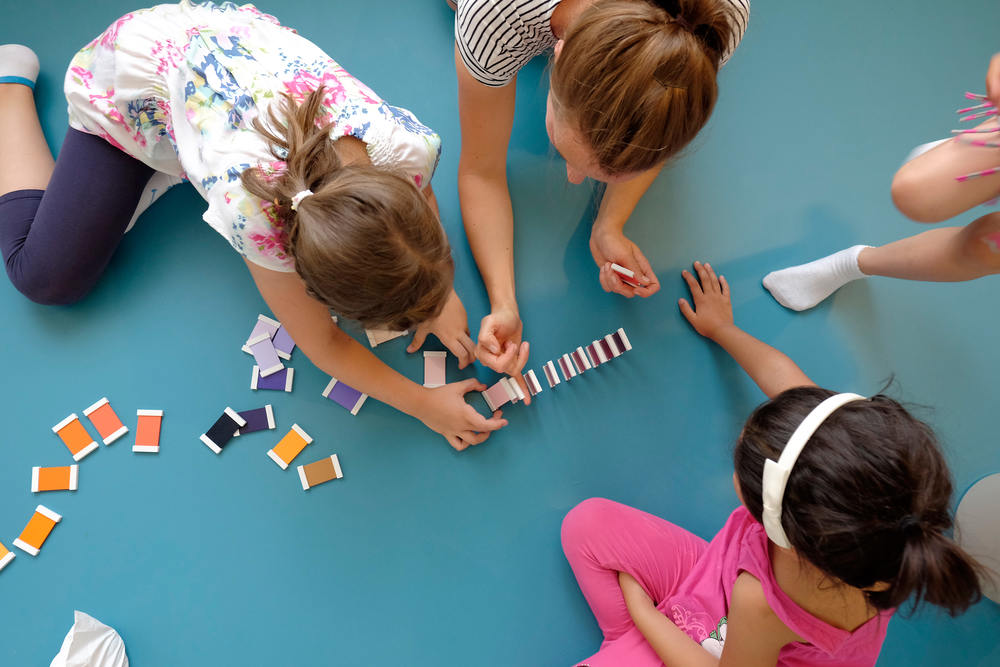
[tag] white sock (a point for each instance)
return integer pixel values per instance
(802, 287)
(158, 183)
(18, 64)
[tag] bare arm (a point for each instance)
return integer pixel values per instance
(487, 116)
(334, 352)
(609, 244)
(712, 317)
(754, 635)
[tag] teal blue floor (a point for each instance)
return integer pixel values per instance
(425, 556)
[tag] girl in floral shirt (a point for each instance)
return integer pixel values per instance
(321, 186)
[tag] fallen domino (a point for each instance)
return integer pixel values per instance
(345, 395)
(627, 276)
(500, 394)
(289, 447)
(265, 355)
(6, 556)
(550, 374)
(566, 366)
(318, 472)
(75, 437)
(280, 381)
(283, 343)
(105, 421)
(259, 419)
(147, 431)
(37, 531)
(434, 367)
(222, 430)
(531, 381)
(264, 325)
(378, 336)
(61, 478)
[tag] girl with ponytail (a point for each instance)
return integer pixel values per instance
(632, 83)
(321, 187)
(844, 518)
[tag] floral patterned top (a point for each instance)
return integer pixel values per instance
(177, 87)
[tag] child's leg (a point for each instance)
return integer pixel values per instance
(948, 254)
(25, 160)
(602, 538)
(57, 242)
(925, 190)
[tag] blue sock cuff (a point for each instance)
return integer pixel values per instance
(18, 79)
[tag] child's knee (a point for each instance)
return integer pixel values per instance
(49, 289)
(584, 519)
(912, 197)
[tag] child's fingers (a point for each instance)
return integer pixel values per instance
(456, 442)
(692, 284)
(473, 438)
(686, 310)
(419, 336)
(479, 423)
(472, 384)
(713, 282)
(725, 286)
(702, 276)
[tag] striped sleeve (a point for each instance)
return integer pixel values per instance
(495, 38)
(739, 16)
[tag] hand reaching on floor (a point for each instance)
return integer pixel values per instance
(713, 310)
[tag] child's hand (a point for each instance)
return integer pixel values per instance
(712, 310)
(610, 245)
(500, 346)
(446, 412)
(452, 328)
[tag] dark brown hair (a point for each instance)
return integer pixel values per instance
(867, 501)
(366, 243)
(638, 78)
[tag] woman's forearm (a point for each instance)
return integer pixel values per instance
(621, 198)
(489, 226)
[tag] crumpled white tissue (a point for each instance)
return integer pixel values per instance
(90, 643)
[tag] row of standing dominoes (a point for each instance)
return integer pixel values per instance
(232, 424)
(580, 360)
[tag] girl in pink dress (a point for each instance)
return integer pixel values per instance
(845, 508)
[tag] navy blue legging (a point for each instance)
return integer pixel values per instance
(57, 242)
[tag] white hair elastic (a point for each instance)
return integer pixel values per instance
(297, 199)
(776, 472)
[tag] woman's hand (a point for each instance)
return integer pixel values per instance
(452, 328)
(445, 411)
(713, 311)
(609, 245)
(500, 346)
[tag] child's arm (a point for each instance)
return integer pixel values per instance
(754, 634)
(608, 242)
(308, 322)
(712, 317)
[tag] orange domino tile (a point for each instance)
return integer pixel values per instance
(62, 478)
(106, 421)
(6, 556)
(147, 431)
(75, 437)
(321, 471)
(289, 447)
(37, 531)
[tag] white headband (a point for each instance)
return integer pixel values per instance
(297, 199)
(776, 473)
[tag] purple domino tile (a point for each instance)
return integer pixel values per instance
(280, 381)
(264, 325)
(345, 395)
(265, 355)
(283, 343)
(260, 419)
